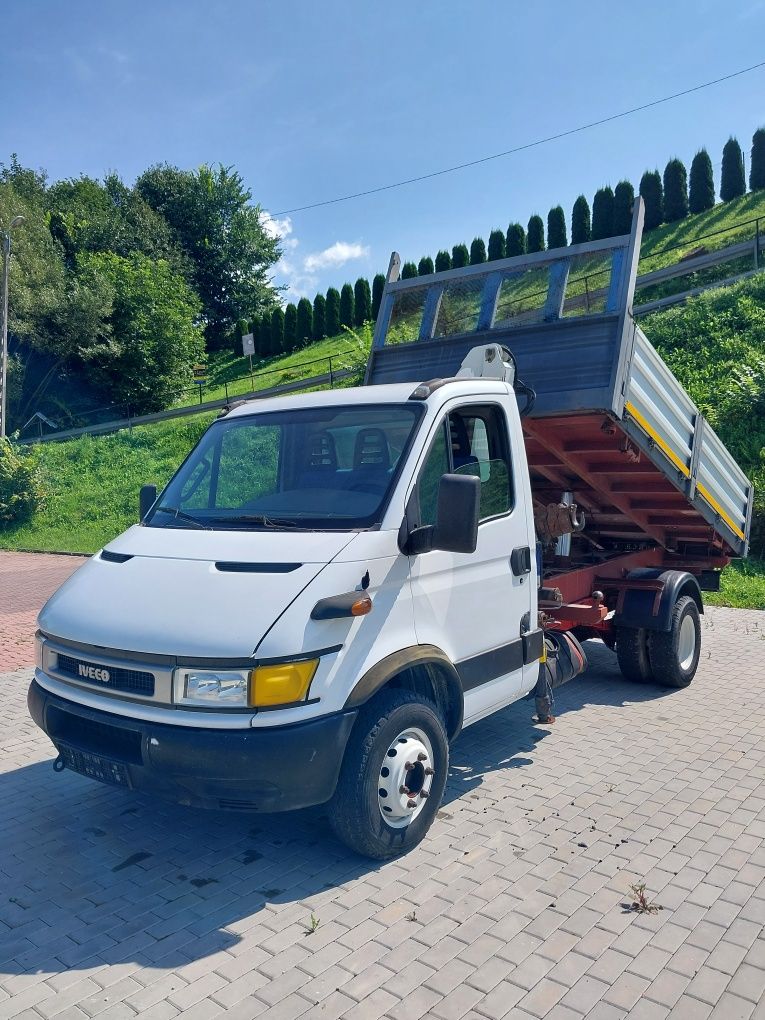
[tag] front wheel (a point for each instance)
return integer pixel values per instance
(674, 654)
(393, 775)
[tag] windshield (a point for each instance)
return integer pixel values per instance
(327, 468)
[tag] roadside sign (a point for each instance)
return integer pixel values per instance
(200, 375)
(248, 344)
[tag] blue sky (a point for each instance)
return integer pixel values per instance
(312, 100)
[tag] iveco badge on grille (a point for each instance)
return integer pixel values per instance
(94, 673)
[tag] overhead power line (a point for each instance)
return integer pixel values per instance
(520, 148)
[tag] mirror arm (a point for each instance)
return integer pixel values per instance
(420, 540)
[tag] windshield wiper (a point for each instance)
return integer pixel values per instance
(268, 522)
(183, 516)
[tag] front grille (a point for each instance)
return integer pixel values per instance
(130, 681)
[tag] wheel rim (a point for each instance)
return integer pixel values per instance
(406, 777)
(686, 645)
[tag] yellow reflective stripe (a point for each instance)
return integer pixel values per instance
(661, 443)
(716, 506)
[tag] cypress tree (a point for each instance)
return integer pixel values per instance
(535, 234)
(675, 191)
(260, 327)
(254, 328)
(378, 285)
(701, 194)
(362, 299)
(732, 183)
(581, 229)
(290, 327)
(346, 306)
(603, 214)
(515, 243)
(496, 245)
(624, 196)
(652, 193)
(477, 251)
(460, 256)
(276, 345)
(443, 261)
(425, 268)
(304, 321)
(556, 228)
(757, 162)
(319, 314)
(408, 270)
(332, 312)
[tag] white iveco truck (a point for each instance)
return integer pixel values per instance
(333, 585)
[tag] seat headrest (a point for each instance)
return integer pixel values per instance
(371, 449)
(322, 452)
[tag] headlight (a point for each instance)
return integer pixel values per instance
(213, 688)
(264, 687)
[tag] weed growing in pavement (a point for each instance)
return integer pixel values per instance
(312, 925)
(640, 903)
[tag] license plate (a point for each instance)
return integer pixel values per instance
(94, 766)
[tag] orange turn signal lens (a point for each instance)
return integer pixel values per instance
(361, 606)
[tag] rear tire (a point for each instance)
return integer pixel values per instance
(674, 654)
(632, 654)
(397, 737)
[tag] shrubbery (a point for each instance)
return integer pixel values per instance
(21, 490)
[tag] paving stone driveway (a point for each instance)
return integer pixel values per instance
(114, 905)
(27, 580)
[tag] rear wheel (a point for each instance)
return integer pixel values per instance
(632, 654)
(393, 775)
(674, 654)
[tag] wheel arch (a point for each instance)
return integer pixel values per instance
(424, 669)
(637, 608)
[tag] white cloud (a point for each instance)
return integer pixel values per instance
(336, 255)
(275, 227)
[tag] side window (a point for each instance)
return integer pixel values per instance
(436, 464)
(471, 441)
(480, 446)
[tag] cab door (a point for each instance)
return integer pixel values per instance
(474, 606)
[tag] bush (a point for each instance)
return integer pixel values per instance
(346, 306)
(515, 242)
(425, 267)
(603, 214)
(378, 286)
(624, 197)
(652, 193)
(757, 164)
(477, 251)
(732, 182)
(362, 299)
(581, 229)
(675, 191)
(277, 331)
(21, 490)
(556, 228)
(496, 245)
(408, 271)
(290, 327)
(460, 256)
(332, 312)
(319, 316)
(535, 235)
(304, 321)
(701, 194)
(443, 261)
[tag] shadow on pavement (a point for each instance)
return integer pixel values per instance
(93, 874)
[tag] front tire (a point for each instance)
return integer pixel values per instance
(398, 743)
(674, 654)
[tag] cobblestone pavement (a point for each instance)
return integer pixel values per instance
(516, 905)
(27, 580)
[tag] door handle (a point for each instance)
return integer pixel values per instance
(520, 561)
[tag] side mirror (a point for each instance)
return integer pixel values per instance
(146, 500)
(456, 527)
(457, 515)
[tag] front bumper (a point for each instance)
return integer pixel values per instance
(278, 768)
